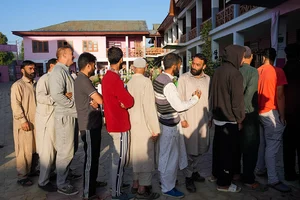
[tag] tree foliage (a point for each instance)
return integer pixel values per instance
(5, 57)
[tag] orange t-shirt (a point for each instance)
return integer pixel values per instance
(270, 78)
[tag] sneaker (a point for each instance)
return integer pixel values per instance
(124, 196)
(174, 193)
(73, 177)
(48, 187)
(68, 190)
(197, 178)
(189, 184)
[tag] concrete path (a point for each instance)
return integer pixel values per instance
(10, 190)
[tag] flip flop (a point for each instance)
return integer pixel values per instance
(25, 182)
(280, 187)
(232, 188)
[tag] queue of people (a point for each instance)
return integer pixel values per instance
(245, 105)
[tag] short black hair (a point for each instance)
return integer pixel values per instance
(201, 57)
(26, 63)
(114, 55)
(50, 62)
(84, 59)
(269, 53)
(170, 59)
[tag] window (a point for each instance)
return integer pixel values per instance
(89, 46)
(61, 43)
(114, 44)
(40, 46)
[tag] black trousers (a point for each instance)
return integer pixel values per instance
(225, 147)
(291, 146)
(92, 142)
(248, 148)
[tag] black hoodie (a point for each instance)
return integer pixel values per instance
(226, 92)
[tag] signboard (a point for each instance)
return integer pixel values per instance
(8, 48)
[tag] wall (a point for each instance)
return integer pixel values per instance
(77, 45)
(4, 74)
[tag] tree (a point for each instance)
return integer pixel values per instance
(5, 57)
(21, 55)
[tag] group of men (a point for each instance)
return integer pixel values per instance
(139, 115)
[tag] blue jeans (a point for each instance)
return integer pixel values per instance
(270, 140)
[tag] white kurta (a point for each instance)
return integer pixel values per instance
(197, 134)
(144, 122)
(44, 117)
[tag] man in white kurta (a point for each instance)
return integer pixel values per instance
(144, 130)
(195, 121)
(172, 153)
(45, 131)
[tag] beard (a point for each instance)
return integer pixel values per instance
(176, 72)
(92, 73)
(195, 72)
(29, 76)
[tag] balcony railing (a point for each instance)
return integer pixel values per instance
(193, 33)
(246, 8)
(183, 38)
(224, 15)
(139, 52)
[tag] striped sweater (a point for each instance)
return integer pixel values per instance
(167, 115)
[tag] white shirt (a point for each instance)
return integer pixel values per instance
(172, 95)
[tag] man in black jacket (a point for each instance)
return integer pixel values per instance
(227, 104)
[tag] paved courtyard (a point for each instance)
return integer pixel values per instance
(10, 190)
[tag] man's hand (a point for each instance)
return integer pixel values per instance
(184, 124)
(198, 93)
(94, 104)
(25, 126)
(69, 95)
(240, 126)
(155, 136)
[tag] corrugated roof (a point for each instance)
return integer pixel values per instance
(97, 25)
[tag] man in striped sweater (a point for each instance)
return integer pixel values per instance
(172, 152)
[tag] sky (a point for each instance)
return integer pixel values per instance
(25, 15)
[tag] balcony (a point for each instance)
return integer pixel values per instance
(193, 33)
(246, 8)
(183, 38)
(139, 52)
(224, 16)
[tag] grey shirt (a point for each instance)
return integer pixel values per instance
(61, 82)
(88, 117)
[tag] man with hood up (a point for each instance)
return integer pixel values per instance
(227, 104)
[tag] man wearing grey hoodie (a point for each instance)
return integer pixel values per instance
(227, 104)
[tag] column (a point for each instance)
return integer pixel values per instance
(174, 33)
(198, 49)
(45, 67)
(214, 12)
(282, 29)
(199, 15)
(214, 50)
(170, 36)
(188, 58)
(236, 10)
(188, 24)
(127, 51)
(166, 38)
(144, 46)
(238, 38)
(180, 29)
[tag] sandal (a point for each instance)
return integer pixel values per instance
(232, 188)
(147, 195)
(281, 187)
(25, 182)
(256, 186)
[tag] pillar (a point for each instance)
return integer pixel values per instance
(188, 23)
(169, 36)
(236, 10)
(165, 38)
(174, 33)
(45, 67)
(199, 15)
(238, 38)
(215, 50)
(180, 29)
(144, 46)
(214, 12)
(198, 49)
(127, 51)
(282, 30)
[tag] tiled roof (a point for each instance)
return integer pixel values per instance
(98, 26)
